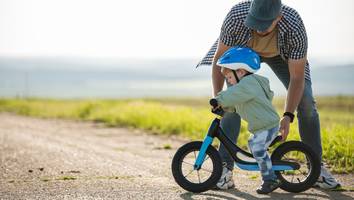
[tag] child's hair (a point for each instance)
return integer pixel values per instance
(225, 70)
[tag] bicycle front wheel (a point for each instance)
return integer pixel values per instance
(196, 180)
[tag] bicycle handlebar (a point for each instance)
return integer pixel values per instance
(214, 103)
(218, 111)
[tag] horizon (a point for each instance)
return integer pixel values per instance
(113, 62)
(65, 79)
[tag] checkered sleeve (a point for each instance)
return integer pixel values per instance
(298, 41)
(227, 35)
(208, 58)
(231, 31)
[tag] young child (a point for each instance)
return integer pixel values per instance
(250, 96)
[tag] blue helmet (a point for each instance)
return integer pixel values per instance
(240, 58)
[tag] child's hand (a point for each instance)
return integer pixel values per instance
(215, 108)
(214, 105)
(218, 110)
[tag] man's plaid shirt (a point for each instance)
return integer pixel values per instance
(292, 38)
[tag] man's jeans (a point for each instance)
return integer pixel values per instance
(308, 119)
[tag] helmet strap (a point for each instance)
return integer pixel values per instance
(248, 73)
(237, 79)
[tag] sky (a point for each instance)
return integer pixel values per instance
(154, 28)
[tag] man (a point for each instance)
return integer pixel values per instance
(276, 32)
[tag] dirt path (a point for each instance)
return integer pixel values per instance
(58, 159)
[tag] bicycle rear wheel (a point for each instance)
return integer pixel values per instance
(300, 179)
(196, 180)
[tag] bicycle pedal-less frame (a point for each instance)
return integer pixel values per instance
(243, 159)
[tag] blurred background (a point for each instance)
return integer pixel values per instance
(124, 49)
(132, 64)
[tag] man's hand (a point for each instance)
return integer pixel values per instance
(284, 127)
(295, 92)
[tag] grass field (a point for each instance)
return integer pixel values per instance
(190, 118)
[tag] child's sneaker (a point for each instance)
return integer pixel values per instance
(326, 180)
(268, 186)
(226, 181)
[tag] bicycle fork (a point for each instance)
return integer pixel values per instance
(208, 140)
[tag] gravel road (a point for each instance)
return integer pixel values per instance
(62, 159)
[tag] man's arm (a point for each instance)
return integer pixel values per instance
(295, 92)
(217, 77)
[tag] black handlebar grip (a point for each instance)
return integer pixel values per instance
(213, 102)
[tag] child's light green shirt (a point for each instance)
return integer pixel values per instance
(252, 99)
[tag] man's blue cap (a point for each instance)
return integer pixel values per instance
(262, 13)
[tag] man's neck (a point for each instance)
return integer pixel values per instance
(265, 34)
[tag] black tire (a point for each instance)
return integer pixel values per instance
(313, 166)
(182, 180)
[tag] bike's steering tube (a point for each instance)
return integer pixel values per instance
(218, 111)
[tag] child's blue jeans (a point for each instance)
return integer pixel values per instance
(258, 144)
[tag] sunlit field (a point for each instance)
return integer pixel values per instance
(190, 118)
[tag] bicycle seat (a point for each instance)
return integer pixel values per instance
(276, 140)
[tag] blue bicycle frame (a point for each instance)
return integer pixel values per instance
(235, 151)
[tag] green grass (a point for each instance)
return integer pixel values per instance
(253, 176)
(66, 178)
(190, 118)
